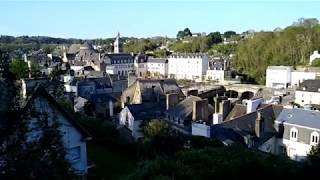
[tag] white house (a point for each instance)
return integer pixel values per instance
(300, 129)
(133, 115)
(74, 137)
(278, 76)
(119, 63)
(156, 67)
(213, 74)
(314, 56)
(298, 77)
(188, 66)
(308, 93)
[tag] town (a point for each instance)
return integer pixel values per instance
(187, 107)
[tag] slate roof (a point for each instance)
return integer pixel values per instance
(302, 117)
(184, 108)
(244, 125)
(237, 110)
(149, 89)
(157, 60)
(310, 85)
(74, 48)
(102, 98)
(118, 56)
(146, 111)
(101, 82)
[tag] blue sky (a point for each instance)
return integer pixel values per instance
(102, 19)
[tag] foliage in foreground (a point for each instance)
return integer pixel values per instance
(226, 162)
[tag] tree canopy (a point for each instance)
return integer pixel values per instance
(291, 47)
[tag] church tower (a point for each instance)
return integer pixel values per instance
(116, 44)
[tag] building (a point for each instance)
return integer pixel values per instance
(117, 48)
(215, 75)
(297, 77)
(133, 115)
(314, 56)
(84, 87)
(299, 130)
(308, 93)
(188, 66)
(181, 114)
(119, 63)
(74, 136)
(152, 67)
(150, 90)
(278, 76)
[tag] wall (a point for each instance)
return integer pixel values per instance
(299, 76)
(215, 75)
(278, 78)
(187, 67)
(72, 138)
(305, 97)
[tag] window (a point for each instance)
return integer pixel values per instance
(314, 138)
(294, 134)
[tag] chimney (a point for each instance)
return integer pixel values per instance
(224, 108)
(193, 92)
(258, 124)
(200, 110)
(171, 100)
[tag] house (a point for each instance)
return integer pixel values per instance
(119, 63)
(74, 136)
(154, 67)
(298, 130)
(84, 87)
(133, 115)
(308, 93)
(216, 75)
(150, 90)
(314, 56)
(187, 66)
(297, 77)
(278, 76)
(181, 114)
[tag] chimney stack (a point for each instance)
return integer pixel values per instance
(200, 110)
(171, 100)
(258, 124)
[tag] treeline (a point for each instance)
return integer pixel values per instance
(291, 46)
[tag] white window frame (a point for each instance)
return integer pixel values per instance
(314, 136)
(294, 130)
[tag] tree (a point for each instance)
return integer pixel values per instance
(214, 38)
(316, 63)
(19, 68)
(35, 69)
(229, 34)
(312, 163)
(307, 23)
(185, 33)
(218, 163)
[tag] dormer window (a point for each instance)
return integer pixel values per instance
(294, 134)
(314, 138)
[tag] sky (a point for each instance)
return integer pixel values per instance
(105, 18)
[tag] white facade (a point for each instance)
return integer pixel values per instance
(278, 76)
(314, 56)
(191, 67)
(306, 97)
(156, 68)
(298, 77)
(126, 119)
(217, 75)
(73, 140)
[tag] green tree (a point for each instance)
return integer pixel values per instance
(185, 33)
(35, 69)
(316, 63)
(19, 68)
(229, 34)
(214, 38)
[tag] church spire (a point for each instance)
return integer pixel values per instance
(116, 44)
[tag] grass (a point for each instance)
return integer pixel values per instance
(110, 162)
